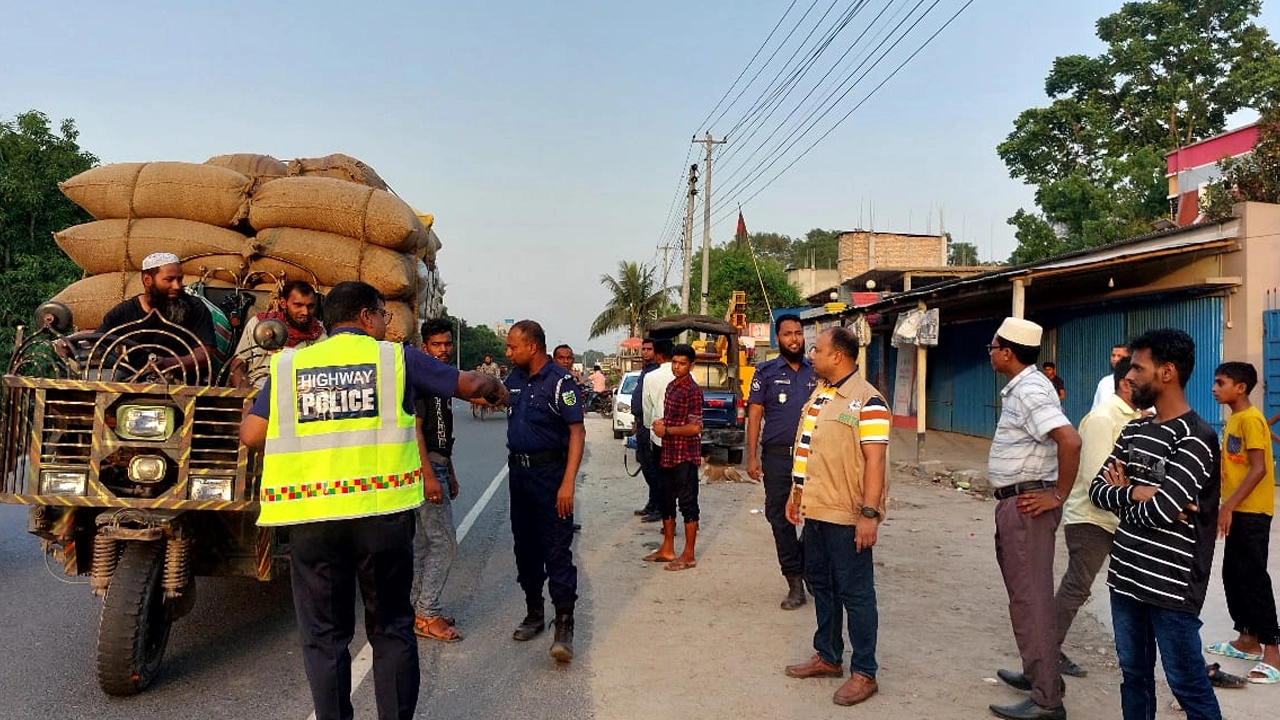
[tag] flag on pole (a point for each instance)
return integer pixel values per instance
(740, 237)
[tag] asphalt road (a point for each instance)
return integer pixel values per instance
(236, 654)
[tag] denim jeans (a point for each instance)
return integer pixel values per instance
(842, 581)
(434, 545)
(1140, 629)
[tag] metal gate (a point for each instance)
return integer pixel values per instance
(1271, 375)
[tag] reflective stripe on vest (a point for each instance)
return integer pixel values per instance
(339, 443)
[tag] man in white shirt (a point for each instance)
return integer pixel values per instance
(1107, 385)
(655, 391)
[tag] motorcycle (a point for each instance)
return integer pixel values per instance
(600, 403)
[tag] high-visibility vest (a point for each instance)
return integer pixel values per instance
(339, 442)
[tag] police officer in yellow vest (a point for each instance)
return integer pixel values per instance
(341, 469)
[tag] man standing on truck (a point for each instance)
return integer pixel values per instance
(779, 390)
(342, 471)
(297, 310)
(163, 293)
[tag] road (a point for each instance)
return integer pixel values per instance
(236, 654)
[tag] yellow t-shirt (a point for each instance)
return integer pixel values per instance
(1247, 430)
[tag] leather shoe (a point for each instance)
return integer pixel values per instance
(654, 516)
(1067, 666)
(815, 667)
(857, 688)
(1014, 679)
(1028, 710)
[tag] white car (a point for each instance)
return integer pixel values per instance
(623, 420)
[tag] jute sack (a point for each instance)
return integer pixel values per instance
(90, 298)
(335, 206)
(403, 324)
(337, 165)
(110, 245)
(335, 258)
(259, 168)
(189, 191)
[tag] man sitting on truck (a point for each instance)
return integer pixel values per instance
(163, 293)
(297, 310)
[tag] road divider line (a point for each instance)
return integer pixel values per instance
(362, 663)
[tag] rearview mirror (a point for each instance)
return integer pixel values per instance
(270, 334)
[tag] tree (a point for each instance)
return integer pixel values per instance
(33, 160)
(1251, 177)
(961, 253)
(1174, 70)
(733, 269)
(773, 245)
(473, 342)
(635, 300)
(819, 248)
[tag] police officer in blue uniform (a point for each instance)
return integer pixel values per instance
(545, 437)
(779, 390)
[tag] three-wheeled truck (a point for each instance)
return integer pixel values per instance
(134, 473)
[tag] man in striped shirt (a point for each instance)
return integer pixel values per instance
(838, 486)
(1162, 480)
(1033, 462)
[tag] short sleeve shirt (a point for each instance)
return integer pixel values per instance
(543, 406)
(1247, 430)
(682, 405)
(1021, 449)
(783, 392)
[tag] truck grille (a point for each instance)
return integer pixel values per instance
(215, 434)
(67, 437)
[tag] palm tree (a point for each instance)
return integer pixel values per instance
(634, 302)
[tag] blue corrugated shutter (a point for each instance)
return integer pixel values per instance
(1271, 372)
(1201, 318)
(963, 390)
(1084, 356)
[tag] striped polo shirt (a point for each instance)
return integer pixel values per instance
(1021, 449)
(1157, 557)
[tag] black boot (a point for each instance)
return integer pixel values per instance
(795, 593)
(562, 648)
(534, 622)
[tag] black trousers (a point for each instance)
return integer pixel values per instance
(328, 560)
(680, 487)
(1244, 577)
(777, 489)
(542, 537)
(648, 461)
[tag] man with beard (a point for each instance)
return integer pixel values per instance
(162, 305)
(779, 390)
(297, 310)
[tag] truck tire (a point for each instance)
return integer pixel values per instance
(735, 456)
(133, 629)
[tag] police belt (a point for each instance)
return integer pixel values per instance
(1009, 491)
(539, 458)
(776, 450)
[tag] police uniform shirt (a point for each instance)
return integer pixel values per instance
(783, 393)
(543, 406)
(424, 376)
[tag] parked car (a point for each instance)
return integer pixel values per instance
(623, 419)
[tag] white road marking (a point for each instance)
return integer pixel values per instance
(362, 663)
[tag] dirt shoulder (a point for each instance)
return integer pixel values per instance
(712, 642)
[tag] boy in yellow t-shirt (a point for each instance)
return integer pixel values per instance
(1248, 502)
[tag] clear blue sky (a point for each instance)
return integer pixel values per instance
(547, 138)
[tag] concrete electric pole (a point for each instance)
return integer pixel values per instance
(688, 237)
(706, 219)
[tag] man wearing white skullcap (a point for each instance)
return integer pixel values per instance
(163, 304)
(1033, 461)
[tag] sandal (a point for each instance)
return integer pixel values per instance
(1222, 679)
(1226, 649)
(435, 628)
(676, 565)
(1269, 675)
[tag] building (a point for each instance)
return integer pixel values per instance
(1190, 168)
(862, 250)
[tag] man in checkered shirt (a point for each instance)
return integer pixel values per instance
(680, 429)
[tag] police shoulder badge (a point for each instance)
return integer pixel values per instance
(569, 397)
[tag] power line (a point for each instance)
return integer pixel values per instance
(745, 68)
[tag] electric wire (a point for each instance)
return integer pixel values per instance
(745, 68)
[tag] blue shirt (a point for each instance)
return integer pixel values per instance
(637, 408)
(783, 393)
(423, 376)
(543, 406)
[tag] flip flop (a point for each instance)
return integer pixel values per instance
(677, 565)
(1226, 649)
(431, 628)
(1222, 679)
(1270, 675)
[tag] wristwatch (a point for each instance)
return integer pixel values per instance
(870, 512)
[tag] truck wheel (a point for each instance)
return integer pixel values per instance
(735, 456)
(134, 627)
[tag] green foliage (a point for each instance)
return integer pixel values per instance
(1174, 70)
(33, 160)
(635, 300)
(732, 269)
(818, 248)
(961, 253)
(1252, 177)
(474, 342)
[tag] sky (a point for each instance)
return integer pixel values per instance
(550, 139)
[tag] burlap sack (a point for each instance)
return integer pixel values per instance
(337, 165)
(90, 298)
(336, 258)
(403, 324)
(259, 168)
(111, 245)
(335, 206)
(189, 191)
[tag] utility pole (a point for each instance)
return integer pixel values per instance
(688, 237)
(706, 219)
(666, 250)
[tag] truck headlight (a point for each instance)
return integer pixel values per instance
(146, 468)
(624, 407)
(211, 488)
(63, 482)
(144, 422)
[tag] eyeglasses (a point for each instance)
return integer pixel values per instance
(993, 348)
(383, 312)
